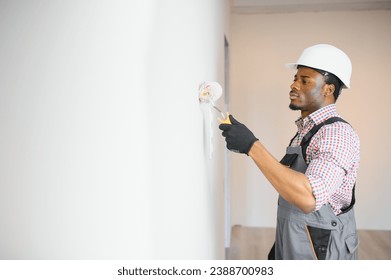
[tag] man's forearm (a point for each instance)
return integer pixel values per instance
(293, 186)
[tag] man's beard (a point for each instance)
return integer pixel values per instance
(294, 107)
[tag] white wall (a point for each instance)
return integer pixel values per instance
(261, 45)
(104, 150)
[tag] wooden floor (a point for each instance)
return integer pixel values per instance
(250, 243)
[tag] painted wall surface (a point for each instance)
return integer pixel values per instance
(261, 45)
(105, 150)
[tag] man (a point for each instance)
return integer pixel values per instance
(316, 178)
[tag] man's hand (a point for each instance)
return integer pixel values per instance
(238, 137)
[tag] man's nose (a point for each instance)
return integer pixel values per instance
(295, 86)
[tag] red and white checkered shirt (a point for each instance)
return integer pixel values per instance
(333, 158)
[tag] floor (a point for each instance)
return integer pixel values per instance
(251, 243)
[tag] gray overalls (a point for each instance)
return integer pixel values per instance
(318, 235)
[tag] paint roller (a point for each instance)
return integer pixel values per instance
(210, 92)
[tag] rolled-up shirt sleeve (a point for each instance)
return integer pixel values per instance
(330, 155)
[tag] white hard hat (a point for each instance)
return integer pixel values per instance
(327, 58)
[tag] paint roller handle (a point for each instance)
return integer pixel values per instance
(226, 119)
(238, 137)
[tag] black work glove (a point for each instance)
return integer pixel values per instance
(238, 137)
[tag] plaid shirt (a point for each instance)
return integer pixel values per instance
(333, 157)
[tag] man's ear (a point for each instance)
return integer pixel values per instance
(328, 89)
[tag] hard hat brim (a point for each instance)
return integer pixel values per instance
(291, 65)
(294, 66)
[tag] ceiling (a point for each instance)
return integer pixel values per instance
(292, 6)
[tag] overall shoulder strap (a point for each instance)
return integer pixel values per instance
(307, 138)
